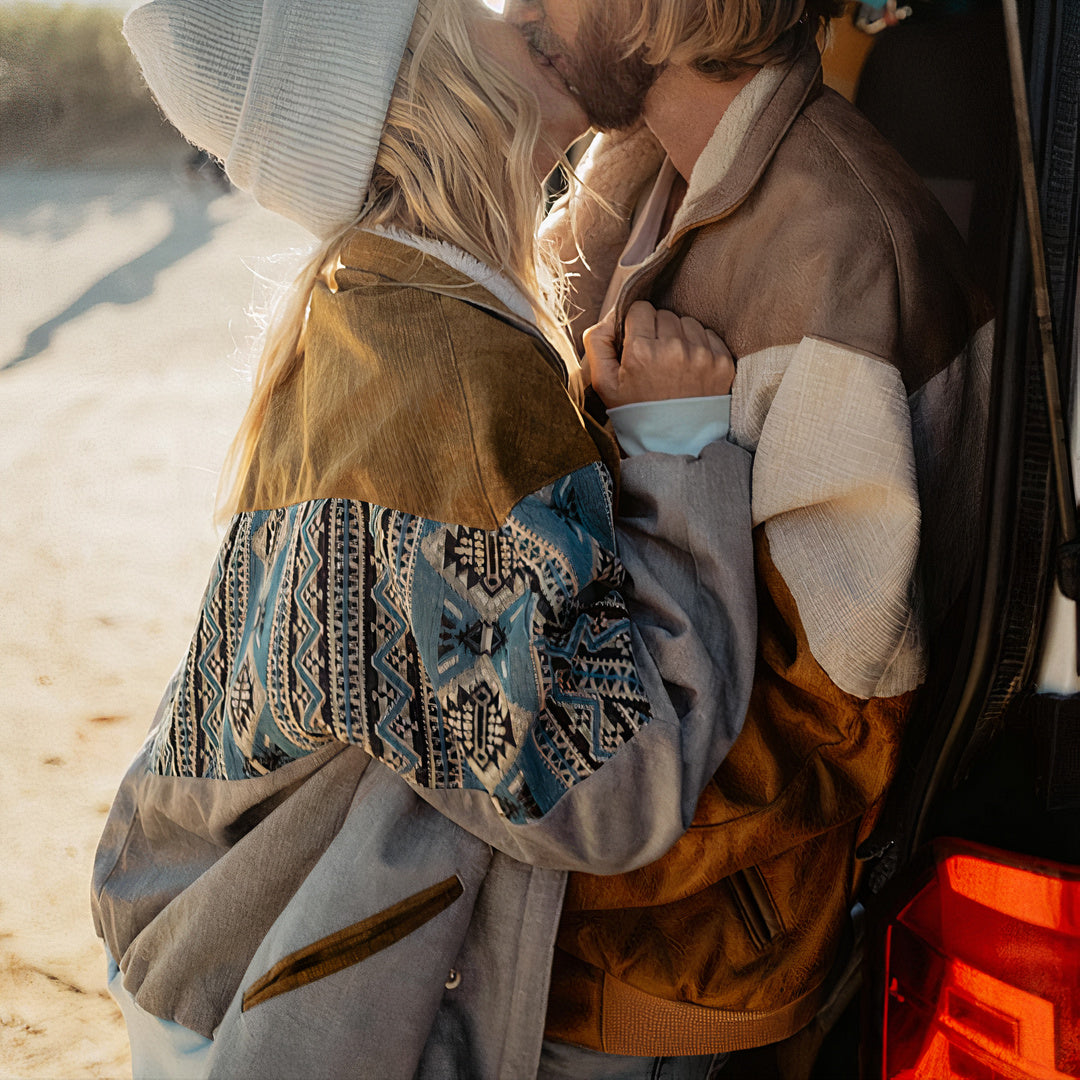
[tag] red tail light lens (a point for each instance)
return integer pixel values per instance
(982, 971)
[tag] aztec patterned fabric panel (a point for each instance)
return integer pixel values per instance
(462, 658)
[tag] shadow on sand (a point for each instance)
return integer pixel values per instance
(192, 227)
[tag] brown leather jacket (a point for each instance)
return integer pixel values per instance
(862, 352)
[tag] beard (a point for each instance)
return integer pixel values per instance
(611, 88)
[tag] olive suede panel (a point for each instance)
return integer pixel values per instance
(458, 433)
(787, 801)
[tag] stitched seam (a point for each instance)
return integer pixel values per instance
(869, 191)
(468, 413)
(807, 762)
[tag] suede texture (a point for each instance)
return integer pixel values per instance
(745, 911)
(819, 229)
(419, 390)
(840, 241)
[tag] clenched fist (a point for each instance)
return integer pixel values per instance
(663, 356)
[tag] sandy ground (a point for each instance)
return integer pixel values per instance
(122, 305)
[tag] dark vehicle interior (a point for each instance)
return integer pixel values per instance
(988, 790)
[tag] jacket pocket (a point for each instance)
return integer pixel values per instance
(755, 906)
(353, 944)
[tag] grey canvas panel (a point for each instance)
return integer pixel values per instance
(183, 908)
(378, 1012)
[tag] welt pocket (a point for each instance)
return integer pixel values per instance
(756, 906)
(353, 944)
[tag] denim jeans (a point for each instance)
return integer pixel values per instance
(560, 1061)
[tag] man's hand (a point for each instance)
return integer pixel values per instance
(664, 356)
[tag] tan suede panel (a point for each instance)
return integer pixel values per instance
(745, 910)
(838, 240)
(408, 395)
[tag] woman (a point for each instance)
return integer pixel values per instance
(414, 698)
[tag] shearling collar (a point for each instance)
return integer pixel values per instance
(745, 141)
(496, 283)
(441, 269)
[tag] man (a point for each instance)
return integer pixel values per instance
(761, 204)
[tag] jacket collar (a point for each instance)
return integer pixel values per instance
(756, 124)
(503, 294)
(439, 268)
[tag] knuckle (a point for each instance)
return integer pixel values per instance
(672, 350)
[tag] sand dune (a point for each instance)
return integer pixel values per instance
(122, 300)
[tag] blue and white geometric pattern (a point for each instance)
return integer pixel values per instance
(462, 658)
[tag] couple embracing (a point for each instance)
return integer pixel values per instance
(549, 673)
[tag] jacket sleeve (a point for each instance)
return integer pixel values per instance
(836, 493)
(837, 519)
(561, 691)
(837, 523)
(644, 676)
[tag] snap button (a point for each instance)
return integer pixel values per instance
(453, 980)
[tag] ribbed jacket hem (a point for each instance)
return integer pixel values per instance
(634, 1022)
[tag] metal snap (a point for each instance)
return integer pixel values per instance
(453, 979)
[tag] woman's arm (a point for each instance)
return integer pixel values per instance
(684, 536)
(568, 713)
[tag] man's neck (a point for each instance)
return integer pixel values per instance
(683, 109)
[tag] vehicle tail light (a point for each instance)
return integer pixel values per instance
(982, 971)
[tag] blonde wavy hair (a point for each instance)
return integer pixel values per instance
(719, 37)
(455, 164)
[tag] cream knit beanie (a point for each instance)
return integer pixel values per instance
(291, 94)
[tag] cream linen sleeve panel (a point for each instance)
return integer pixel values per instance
(834, 483)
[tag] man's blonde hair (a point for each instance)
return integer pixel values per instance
(720, 37)
(455, 164)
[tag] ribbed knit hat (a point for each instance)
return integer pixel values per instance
(291, 94)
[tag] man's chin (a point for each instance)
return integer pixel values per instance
(606, 120)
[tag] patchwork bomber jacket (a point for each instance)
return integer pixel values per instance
(431, 674)
(862, 351)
